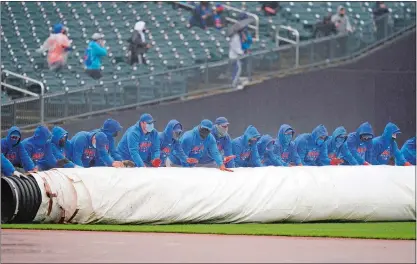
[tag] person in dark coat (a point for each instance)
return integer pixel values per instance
(381, 19)
(138, 45)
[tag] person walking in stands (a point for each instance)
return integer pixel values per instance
(91, 149)
(140, 143)
(337, 149)
(235, 52)
(93, 54)
(111, 128)
(409, 150)
(312, 148)
(170, 144)
(57, 46)
(194, 143)
(359, 144)
(61, 147)
(266, 145)
(39, 148)
(285, 147)
(137, 44)
(246, 150)
(224, 145)
(14, 151)
(385, 146)
(343, 27)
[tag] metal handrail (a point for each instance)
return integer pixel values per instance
(7, 72)
(256, 27)
(296, 42)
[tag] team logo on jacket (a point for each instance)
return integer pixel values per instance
(361, 151)
(245, 155)
(285, 156)
(11, 156)
(312, 155)
(332, 155)
(197, 149)
(144, 146)
(89, 153)
(219, 146)
(386, 154)
(166, 150)
(37, 156)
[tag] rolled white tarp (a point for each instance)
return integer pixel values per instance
(206, 195)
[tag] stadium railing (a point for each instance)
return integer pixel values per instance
(104, 96)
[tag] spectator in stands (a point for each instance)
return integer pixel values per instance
(246, 150)
(7, 168)
(61, 147)
(201, 14)
(111, 128)
(224, 144)
(235, 52)
(359, 144)
(270, 8)
(93, 54)
(194, 143)
(312, 148)
(13, 149)
(39, 148)
(409, 150)
(137, 44)
(140, 143)
(170, 144)
(90, 149)
(266, 152)
(218, 18)
(385, 146)
(57, 46)
(325, 28)
(337, 149)
(285, 146)
(381, 19)
(343, 26)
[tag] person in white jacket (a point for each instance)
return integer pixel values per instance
(235, 51)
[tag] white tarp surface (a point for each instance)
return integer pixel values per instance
(269, 194)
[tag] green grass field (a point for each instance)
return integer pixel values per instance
(385, 230)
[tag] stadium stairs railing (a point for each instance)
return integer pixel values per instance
(176, 84)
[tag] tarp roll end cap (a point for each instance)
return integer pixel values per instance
(203, 195)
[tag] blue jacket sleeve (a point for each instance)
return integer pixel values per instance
(179, 152)
(58, 155)
(214, 151)
(113, 151)
(274, 158)
(186, 143)
(228, 151)
(302, 151)
(347, 155)
(156, 147)
(324, 157)
(103, 154)
(132, 143)
(49, 156)
(78, 149)
(7, 167)
(294, 154)
(256, 159)
(369, 155)
(377, 149)
(399, 157)
(100, 51)
(28, 150)
(237, 151)
(27, 162)
(351, 145)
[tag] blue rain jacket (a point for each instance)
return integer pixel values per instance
(409, 150)
(84, 154)
(342, 152)
(93, 54)
(286, 150)
(58, 151)
(384, 147)
(224, 145)
(112, 127)
(194, 146)
(361, 151)
(7, 167)
(39, 148)
(15, 152)
(169, 145)
(310, 153)
(268, 157)
(139, 147)
(246, 155)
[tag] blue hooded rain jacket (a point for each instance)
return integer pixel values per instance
(360, 150)
(170, 146)
(7, 167)
(61, 152)
(339, 150)
(14, 150)
(409, 150)
(110, 128)
(268, 157)
(286, 149)
(384, 147)
(86, 155)
(224, 145)
(311, 153)
(247, 154)
(39, 148)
